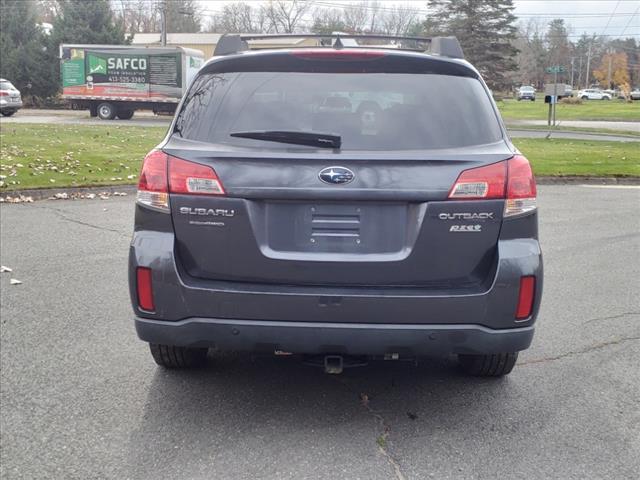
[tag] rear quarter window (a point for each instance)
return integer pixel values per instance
(370, 111)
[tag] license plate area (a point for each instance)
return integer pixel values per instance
(336, 227)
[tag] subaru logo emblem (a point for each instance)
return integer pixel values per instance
(336, 175)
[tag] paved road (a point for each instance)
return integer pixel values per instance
(633, 127)
(81, 397)
(148, 119)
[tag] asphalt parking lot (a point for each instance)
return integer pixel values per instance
(81, 398)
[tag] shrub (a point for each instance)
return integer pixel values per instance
(571, 101)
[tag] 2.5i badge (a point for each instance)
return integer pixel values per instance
(465, 228)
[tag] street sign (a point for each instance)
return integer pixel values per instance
(556, 69)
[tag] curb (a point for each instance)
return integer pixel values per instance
(46, 193)
(578, 180)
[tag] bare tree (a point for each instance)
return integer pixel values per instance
(328, 20)
(356, 17)
(399, 20)
(240, 17)
(138, 16)
(285, 15)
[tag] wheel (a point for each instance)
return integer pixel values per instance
(106, 111)
(584, 97)
(8, 113)
(533, 99)
(606, 98)
(125, 114)
(170, 356)
(491, 365)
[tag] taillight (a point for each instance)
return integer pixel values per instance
(481, 183)
(4, 94)
(511, 179)
(145, 289)
(163, 174)
(521, 187)
(525, 297)
(193, 178)
(153, 189)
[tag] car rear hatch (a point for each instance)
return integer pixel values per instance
(374, 212)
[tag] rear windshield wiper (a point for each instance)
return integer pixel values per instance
(311, 139)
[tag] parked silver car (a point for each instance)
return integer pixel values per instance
(10, 100)
(526, 93)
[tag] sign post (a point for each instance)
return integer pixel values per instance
(555, 70)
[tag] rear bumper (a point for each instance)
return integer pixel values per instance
(10, 106)
(339, 338)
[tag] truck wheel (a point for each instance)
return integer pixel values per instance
(125, 114)
(170, 356)
(106, 111)
(493, 365)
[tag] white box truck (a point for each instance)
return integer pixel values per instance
(116, 80)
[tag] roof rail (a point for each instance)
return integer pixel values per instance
(444, 46)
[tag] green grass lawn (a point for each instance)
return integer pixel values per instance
(581, 157)
(611, 110)
(39, 156)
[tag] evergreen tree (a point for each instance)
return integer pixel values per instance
(486, 31)
(558, 43)
(82, 21)
(24, 59)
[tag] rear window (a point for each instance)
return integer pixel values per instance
(6, 86)
(370, 111)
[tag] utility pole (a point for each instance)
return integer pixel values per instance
(572, 59)
(163, 23)
(609, 70)
(580, 73)
(588, 76)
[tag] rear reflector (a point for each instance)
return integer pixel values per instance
(145, 290)
(525, 297)
(163, 174)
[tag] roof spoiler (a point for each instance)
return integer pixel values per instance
(444, 46)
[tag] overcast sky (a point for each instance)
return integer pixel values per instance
(602, 17)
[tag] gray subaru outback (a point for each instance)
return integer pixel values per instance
(339, 203)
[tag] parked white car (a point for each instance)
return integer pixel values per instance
(635, 94)
(10, 100)
(593, 94)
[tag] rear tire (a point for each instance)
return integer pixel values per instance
(106, 111)
(170, 356)
(125, 114)
(584, 97)
(8, 113)
(492, 365)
